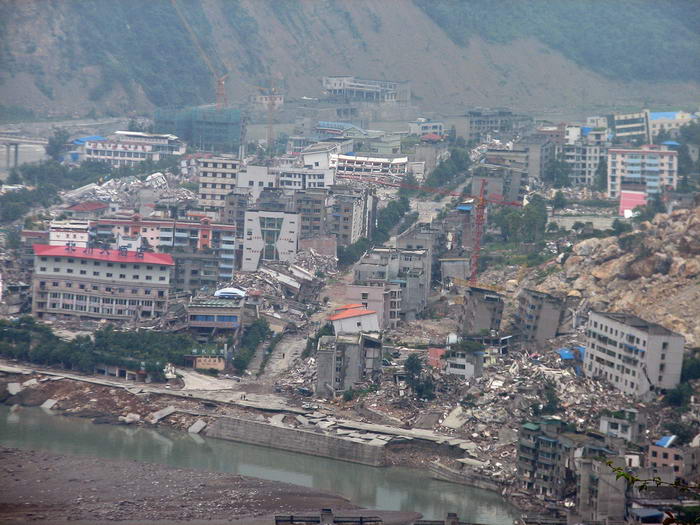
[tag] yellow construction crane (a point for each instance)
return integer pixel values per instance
(221, 100)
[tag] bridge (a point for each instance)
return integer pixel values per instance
(10, 140)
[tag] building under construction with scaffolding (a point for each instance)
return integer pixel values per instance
(205, 128)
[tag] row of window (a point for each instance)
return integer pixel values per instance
(97, 288)
(84, 262)
(98, 274)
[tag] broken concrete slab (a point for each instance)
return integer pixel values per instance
(197, 427)
(14, 388)
(49, 404)
(302, 420)
(455, 419)
(160, 414)
(31, 382)
(277, 420)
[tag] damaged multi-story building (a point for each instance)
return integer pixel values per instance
(483, 310)
(345, 361)
(394, 282)
(633, 355)
(538, 316)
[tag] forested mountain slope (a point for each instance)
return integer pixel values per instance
(74, 56)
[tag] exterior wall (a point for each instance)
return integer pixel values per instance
(375, 298)
(352, 325)
(277, 241)
(481, 122)
(131, 148)
(312, 207)
(74, 231)
(423, 127)
(381, 168)
(74, 287)
(465, 365)
(217, 177)
(207, 363)
(683, 460)
(634, 356)
(538, 315)
(293, 440)
(344, 361)
(630, 428)
(256, 179)
(483, 311)
(631, 126)
(670, 122)
(304, 178)
(653, 166)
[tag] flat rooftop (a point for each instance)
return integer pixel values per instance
(638, 323)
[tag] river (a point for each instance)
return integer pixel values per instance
(378, 488)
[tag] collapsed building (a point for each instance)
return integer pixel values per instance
(345, 361)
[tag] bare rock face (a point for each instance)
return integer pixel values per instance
(653, 272)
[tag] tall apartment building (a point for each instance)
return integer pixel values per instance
(508, 183)
(532, 154)
(653, 167)
(585, 153)
(483, 310)
(346, 360)
(270, 235)
(538, 315)
(297, 178)
(631, 126)
(168, 235)
(82, 284)
(394, 282)
(633, 355)
(480, 122)
(129, 148)
(548, 457)
(352, 213)
(217, 177)
(312, 207)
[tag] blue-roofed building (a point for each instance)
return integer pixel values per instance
(668, 121)
(667, 451)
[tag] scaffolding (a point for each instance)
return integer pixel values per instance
(205, 128)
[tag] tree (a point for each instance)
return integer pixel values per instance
(647, 212)
(619, 227)
(601, 176)
(685, 163)
(57, 144)
(413, 368)
(557, 173)
(559, 202)
(408, 188)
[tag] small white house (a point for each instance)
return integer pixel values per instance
(354, 318)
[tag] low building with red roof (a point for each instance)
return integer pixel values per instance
(354, 319)
(93, 283)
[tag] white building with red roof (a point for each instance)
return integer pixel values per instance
(86, 283)
(354, 318)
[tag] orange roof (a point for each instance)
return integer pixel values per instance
(349, 306)
(352, 312)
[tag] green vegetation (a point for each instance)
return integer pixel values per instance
(557, 173)
(312, 342)
(679, 396)
(669, 30)
(408, 221)
(348, 255)
(448, 172)
(254, 334)
(9, 114)
(647, 212)
(388, 218)
(57, 144)
(559, 202)
(600, 182)
(523, 224)
(423, 388)
(29, 340)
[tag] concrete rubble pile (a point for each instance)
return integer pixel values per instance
(637, 272)
(315, 263)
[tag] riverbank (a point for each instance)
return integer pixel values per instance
(56, 488)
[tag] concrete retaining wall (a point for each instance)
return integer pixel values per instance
(294, 440)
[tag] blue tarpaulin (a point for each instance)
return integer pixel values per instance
(665, 441)
(465, 207)
(91, 138)
(566, 353)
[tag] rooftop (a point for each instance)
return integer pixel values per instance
(88, 206)
(97, 254)
(638, 323)
(353, 312)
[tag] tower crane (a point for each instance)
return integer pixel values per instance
(221, 99)
(480, 202)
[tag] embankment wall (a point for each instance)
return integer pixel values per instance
(295, 440)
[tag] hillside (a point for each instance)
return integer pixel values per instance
(66, 57)
(653, 272)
